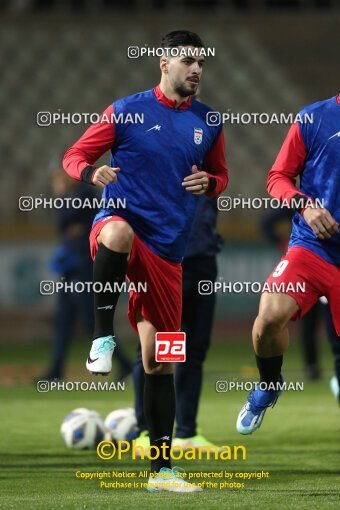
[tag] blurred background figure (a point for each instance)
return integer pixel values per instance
(71, 262)
(199, 264)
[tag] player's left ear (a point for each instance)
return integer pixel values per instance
(163, 64)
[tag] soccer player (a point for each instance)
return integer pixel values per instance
(312, 152)
(310, 321)
(159, 167)
(198, 264)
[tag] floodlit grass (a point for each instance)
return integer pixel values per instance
(298, 443)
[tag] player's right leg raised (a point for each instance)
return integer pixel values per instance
(110, 265)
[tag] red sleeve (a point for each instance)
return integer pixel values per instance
(281, 182)
(98, 139)
(215, 165)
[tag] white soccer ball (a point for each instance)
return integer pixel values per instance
(83, 429)
(122, 424)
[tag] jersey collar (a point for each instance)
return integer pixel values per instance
(170, 103)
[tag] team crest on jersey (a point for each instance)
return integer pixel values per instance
(198, 135)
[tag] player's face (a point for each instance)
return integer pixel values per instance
(184, 73)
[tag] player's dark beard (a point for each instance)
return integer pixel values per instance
(182, 91)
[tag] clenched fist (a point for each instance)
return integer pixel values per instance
(104, 175)
(321, 222)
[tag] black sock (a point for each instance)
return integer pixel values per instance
(109, 267)
(269, 368)
(159, 410)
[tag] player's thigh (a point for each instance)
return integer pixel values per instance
(117, 236)
(294, 286)
(277, 308)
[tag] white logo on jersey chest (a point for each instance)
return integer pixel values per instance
(336, 134)
(157, 127)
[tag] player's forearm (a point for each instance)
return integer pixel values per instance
(79, 160)
(281, 186)
(215, 166)
(76, 164)
(281, 182)
(217, 183)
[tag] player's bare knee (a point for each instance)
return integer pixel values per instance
(153, 367)
(117, 236)
(166, 368)
(269, 322)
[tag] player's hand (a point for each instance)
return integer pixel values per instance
(321, 222)
(197, 183)
(104, 175)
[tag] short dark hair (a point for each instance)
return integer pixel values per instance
(181, 38)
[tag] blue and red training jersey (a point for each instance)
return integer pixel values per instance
(154, 156)
(311, 151)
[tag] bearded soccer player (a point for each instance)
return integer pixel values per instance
(160, 167)
(312, 152)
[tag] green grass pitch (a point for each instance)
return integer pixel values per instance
(298, 443)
